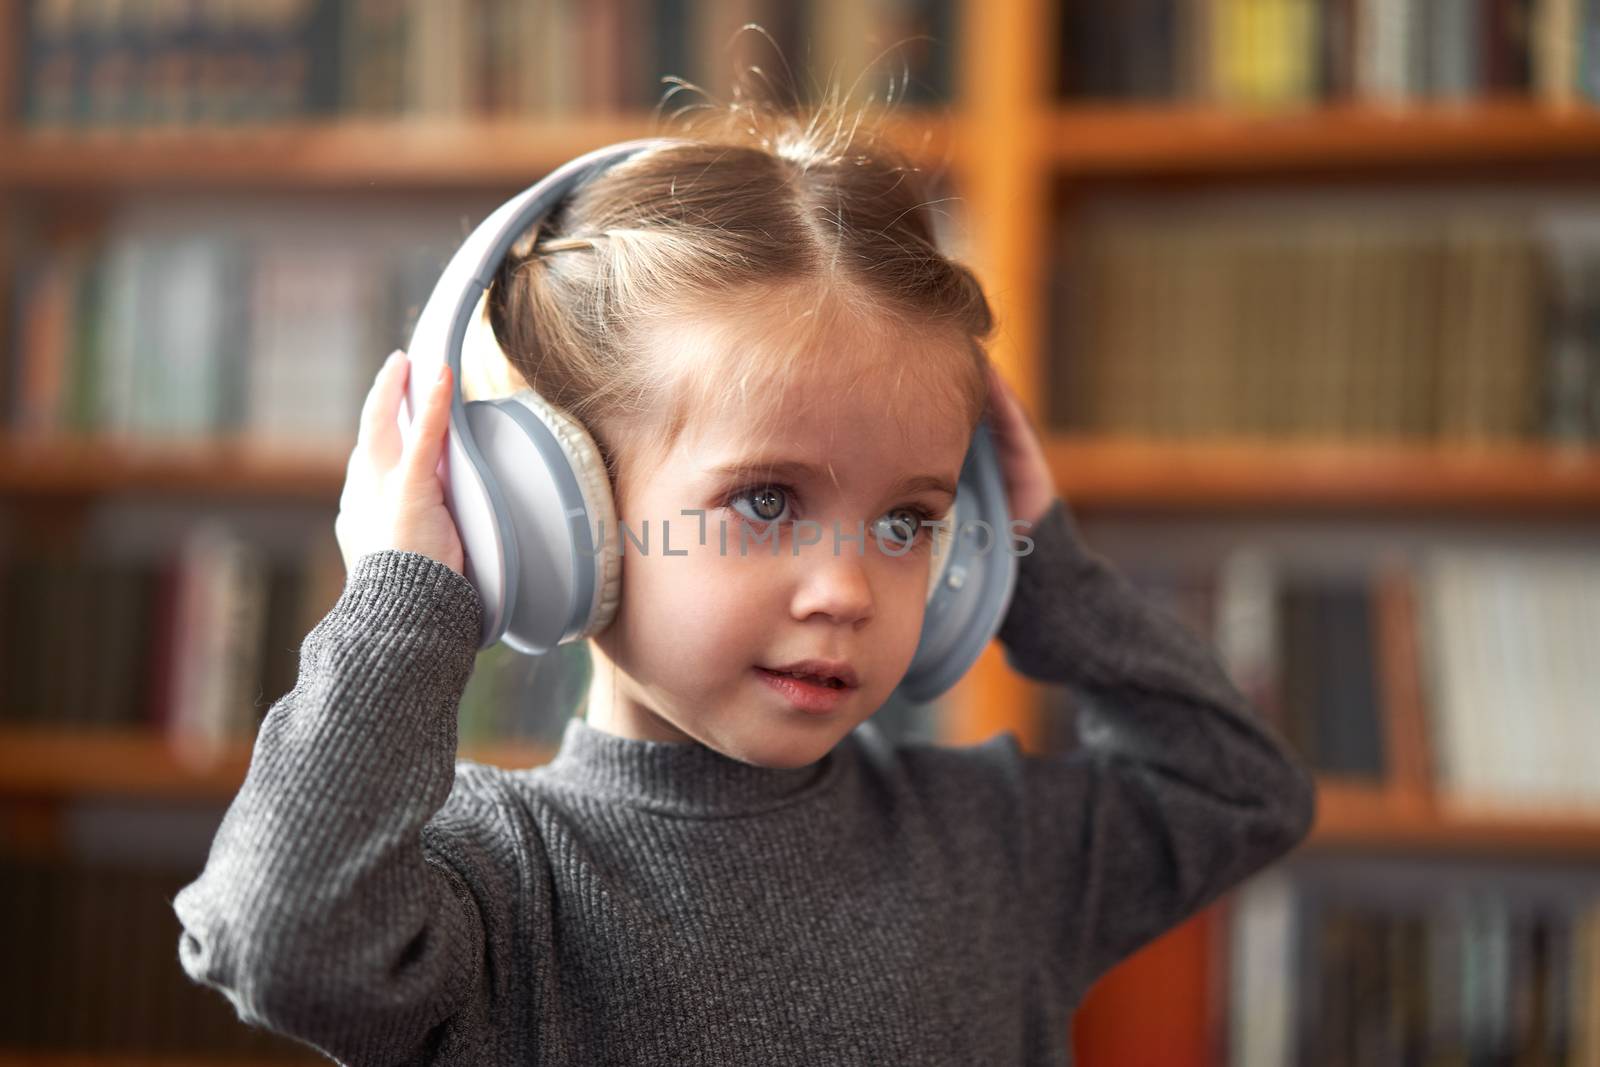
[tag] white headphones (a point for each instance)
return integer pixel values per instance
(529, 493)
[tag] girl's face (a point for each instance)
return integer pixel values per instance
(700, 616)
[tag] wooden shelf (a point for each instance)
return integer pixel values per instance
(1076, 140)
(1092, 140)
(64, 466)
(45, 763)
(411, 153)
(1372, 817)
(1128, 474)
(1093, 473)
(130, 761)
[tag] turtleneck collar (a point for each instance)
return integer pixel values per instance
(682, 778)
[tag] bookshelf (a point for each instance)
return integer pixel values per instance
(1016, 151)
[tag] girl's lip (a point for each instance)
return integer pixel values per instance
(809, 697)
(821, 668)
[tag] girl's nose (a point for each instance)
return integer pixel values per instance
(836, 586)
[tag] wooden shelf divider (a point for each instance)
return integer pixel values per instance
(43, 763)
(49, 762)
(1092, 140)
(235, 465)
(1202, 475)
(1118, 473)
(1076, 140)
(1366, 817)
(364, 154)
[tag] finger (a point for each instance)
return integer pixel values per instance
(425, 443)
(379, 435)
(1016, 422)
(1002, 405)
(999, 392)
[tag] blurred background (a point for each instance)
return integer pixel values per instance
(1304, 293)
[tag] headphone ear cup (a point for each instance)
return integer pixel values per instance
(971, 587)
(588, 467)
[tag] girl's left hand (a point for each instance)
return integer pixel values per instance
(1030, 487)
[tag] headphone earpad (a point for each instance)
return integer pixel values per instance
(583, 455)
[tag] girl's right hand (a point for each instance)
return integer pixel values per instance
(392, 497)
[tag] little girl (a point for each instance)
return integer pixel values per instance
(756, 324)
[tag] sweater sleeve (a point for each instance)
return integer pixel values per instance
(324, 911)
(1178, 790)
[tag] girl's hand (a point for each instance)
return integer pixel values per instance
(392, 497)
(1030, 487)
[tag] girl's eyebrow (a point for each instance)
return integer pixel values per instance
(794, 469)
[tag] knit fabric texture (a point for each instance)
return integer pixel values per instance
(645, 902)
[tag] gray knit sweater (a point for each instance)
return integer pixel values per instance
(642, 902)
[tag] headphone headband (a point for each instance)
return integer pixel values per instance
(481, 254)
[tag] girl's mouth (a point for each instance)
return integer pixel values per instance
(809, 694)
(831, 683)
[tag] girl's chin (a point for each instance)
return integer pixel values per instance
(785, 748)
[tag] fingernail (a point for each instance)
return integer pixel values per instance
(444, 373)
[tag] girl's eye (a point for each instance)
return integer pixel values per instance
(902, 526)
(769, 501)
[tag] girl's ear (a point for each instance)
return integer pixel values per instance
(486, 373)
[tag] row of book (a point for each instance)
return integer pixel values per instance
(1511, 658)
(1274, 53)
(1402, 963)
(91, 966)
(1489, 658)
(197, 645)
(1425, 318)
(210, 332)
(1304, 646)
(1490, 654)
(186, 319)
(140, 63)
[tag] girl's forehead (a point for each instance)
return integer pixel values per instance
(852, 424)
(841, 401)
(717, 376)
(771, 381)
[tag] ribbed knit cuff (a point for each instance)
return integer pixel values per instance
(405, 625)
(374, 711)
(399, 590)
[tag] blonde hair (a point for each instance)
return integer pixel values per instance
(748, 206)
